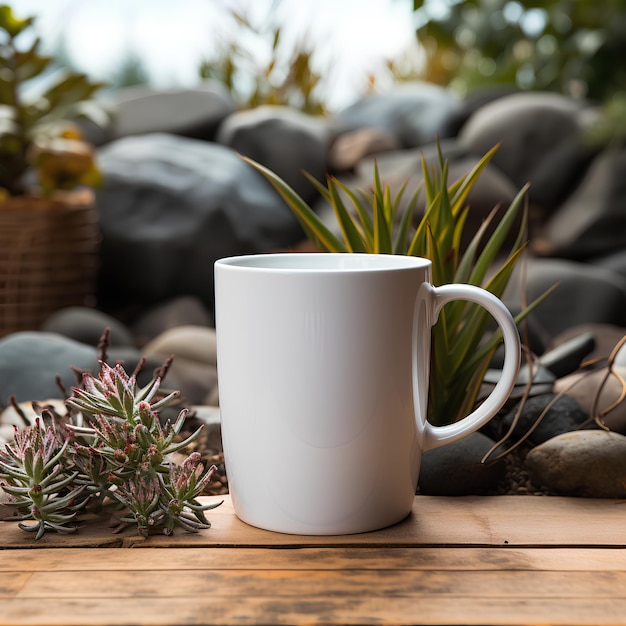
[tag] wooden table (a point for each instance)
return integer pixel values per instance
(491, 560)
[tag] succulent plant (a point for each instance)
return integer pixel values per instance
(35, 132)
(110, 453)
(373, 222)
(39, 480)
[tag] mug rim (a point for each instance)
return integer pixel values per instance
(328, 262)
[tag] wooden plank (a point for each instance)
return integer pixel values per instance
(438, 521)
(434, 521)
(338, 558)
(12, 583)
(348, 584)
(211, 609)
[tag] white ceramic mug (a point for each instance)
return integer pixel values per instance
(323, 382)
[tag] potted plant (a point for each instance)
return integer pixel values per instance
(48, 229)
(373, 222)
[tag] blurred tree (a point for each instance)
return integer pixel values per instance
(287, 77)
(576, 47)
(131, 72)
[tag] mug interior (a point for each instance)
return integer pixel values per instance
(325, 262)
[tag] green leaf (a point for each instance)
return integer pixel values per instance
(467, 182)
(11, 24)
(497, 239)
(351, 234)
(382, 235)
(406, 222)
(310, 221)
(364, 213)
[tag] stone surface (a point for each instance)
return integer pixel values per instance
(352, 147)
(615, 262)
(29, 362)
(87, 326)
(540, 136)
(284, 140)
(196, 112)
(586, 463)
(456, 469)
(563, 416)
(592, 222)
(542, 381)
(568, 356)
(183, 311)
(414, 113)
(596, 389)
(195, 362)
(10, 418)
(585, 294)
(605, 336)
(171, 206)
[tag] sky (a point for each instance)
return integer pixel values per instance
(353, 37)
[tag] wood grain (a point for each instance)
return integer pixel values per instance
(434, 521)
(516, 560)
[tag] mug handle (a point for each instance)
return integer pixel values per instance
(436, 436)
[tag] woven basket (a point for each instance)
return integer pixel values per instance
(48, 257)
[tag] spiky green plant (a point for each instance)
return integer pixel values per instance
(375, 223)
(110, 452)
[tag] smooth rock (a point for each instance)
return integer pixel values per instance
(584, 294)
(196, 112)
(564, 416)
(352, 147)
(568, 356)
(615, 262)
(595, 389)
(29, 362)
(283, 139)
(414, 113)
(183, 311)
(170, 207)
(605, 336)
(475, 100)
(87, 326)
(456, 469)
(11, 419)
(540, 139)
(592, 222)
(195, 362)
(586, 463)
(542, 381)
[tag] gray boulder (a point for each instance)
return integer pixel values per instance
(599, 392)
(414, 113)
(592, 222)
(585, 294)
(182, 311)
(586, 463)
(87, 326)
(196, 112)
(564, 415)
(286, 141)
(541, 142)
(170, 207)
(456, 469)
(195, 363)
(30, 361)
